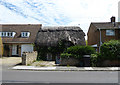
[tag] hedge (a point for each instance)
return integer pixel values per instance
(110, 50)
(78, 51)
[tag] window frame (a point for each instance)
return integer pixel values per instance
(25, 34)
(110, 32)
(7, 34)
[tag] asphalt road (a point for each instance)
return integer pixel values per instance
(16, 76)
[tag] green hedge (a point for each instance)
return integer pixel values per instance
(95, 59)
(110, 50)
(78, 51)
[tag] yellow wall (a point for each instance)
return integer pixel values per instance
(1, 47)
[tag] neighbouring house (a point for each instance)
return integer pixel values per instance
(18, 38)
(50, 36)
(100, 32)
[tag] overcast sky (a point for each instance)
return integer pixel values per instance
(58, 12)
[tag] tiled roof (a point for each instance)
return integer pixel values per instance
(18, 28)
(106, 25)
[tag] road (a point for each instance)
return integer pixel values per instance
(17, 76)
(23, 76)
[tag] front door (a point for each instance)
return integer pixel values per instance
(14, 50)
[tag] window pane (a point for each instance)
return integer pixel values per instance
(2, 34)
(26, 34)
(110, 32)
(11, 34)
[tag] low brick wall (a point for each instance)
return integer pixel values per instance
(111, 63)
(29, 57)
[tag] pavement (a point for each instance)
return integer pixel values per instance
(65, 68)
(12, 63)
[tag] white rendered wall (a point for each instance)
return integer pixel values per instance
(26, 48)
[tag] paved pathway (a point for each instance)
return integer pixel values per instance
(64, 68)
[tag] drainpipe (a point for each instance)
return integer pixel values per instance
(100, 40)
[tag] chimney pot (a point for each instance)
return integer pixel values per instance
(112, 19)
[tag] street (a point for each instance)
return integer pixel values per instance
(25, 76)
(16, 76)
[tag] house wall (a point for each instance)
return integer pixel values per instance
(9, 52)
(94, 35)
(108, 38)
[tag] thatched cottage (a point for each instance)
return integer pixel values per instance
(51, 36)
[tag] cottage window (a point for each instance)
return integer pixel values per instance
(110, 32)
(25, 34)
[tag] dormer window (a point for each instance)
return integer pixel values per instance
(7, 34)
(25, 34)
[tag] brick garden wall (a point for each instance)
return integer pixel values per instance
(29, 57)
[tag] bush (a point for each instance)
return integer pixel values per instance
(110, 50)
(94, 60)
(78, 51)
(67, 55)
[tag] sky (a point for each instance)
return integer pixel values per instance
(58, 12)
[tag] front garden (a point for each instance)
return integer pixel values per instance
(109, 54)
(84, 55)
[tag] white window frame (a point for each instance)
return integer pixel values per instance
(23, 34)
(5, 34)
(110, 32)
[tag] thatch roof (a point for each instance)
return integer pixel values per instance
(50, 36)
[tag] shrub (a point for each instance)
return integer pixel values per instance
(78, 51)
(94, 59)
(110, 50)
(67, 55)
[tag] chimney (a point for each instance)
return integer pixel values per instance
(112, 19)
